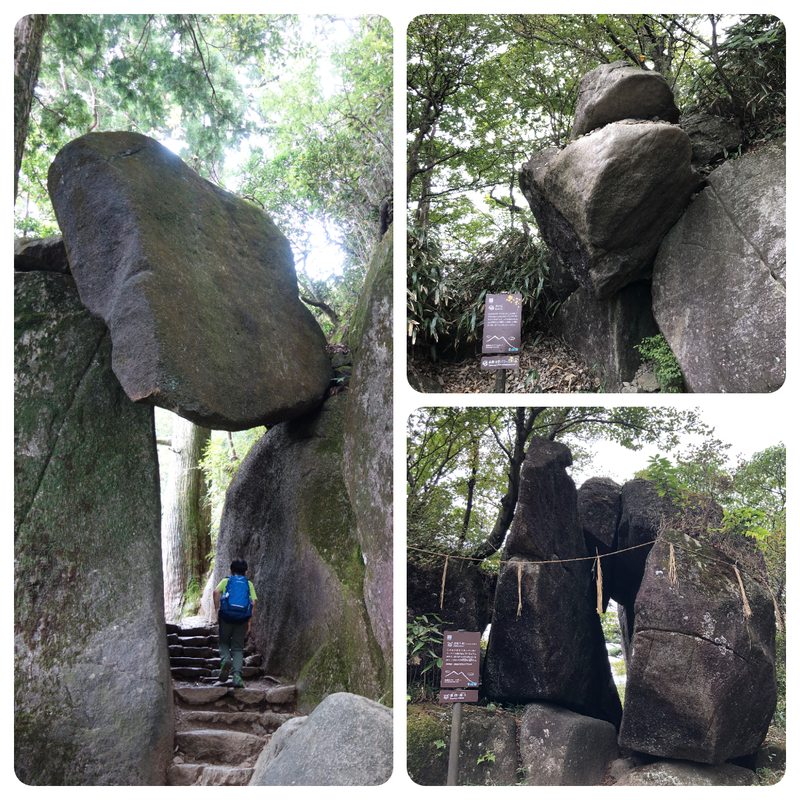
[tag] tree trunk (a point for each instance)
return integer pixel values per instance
(524, 420)
(28, 37)
(185, 539)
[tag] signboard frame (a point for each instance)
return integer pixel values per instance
(502, 323)
(461, 659)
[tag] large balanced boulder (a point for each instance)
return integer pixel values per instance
(288, 514)
(701, 679)
(92, 687)
(197, 286)
(546, 642)
(368, 445)
(616, 91)
(345, 741)
(719, 281)
(606, 200)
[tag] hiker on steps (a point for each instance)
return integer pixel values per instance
(234, 602)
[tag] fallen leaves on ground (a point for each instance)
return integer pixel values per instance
(549, 367)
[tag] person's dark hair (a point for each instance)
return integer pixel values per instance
(238, 566)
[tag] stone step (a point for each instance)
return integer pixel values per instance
(197, 630)
(191, 673)
(180, 661)
(192, 641)
(218, 746)
(193, 652)
(205, 652)
(259, 723)
(208, 775)
(282, 698)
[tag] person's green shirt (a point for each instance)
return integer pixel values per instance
(224, 582)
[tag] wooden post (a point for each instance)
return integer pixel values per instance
(499, 381)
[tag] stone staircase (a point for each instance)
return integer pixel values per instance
(220, 731)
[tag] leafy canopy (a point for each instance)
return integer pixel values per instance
(293, 112)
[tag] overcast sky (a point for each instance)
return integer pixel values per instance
(749, 425)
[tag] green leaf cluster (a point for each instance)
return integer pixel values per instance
(221, 460)
(745, 75)
(667, 370)
(424, 649)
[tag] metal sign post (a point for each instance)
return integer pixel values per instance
(461, 664)
(502, 332)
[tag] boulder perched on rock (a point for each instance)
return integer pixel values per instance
(719, 281)
(701, 679)
(287, 513)
(711, 136)
(48, 255)
(368, 445)
(607, 199)
(345, 741)
(546, 643)
(561, 748)
(92, 687)
(197, 286)
(616, 91)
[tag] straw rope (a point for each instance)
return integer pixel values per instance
(673, 573)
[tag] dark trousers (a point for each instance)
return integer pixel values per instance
(231, 643)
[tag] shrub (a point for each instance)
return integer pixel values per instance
(446, 297)
(668, 372)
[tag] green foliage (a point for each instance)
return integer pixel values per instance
(446, 298)
(665, 476)
(746, 522)
(487, 756)
(656, 349)
(747, 71)
(423, 650)
(609, 621)
(221, 459)
(323, 162)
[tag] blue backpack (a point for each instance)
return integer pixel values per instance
(235, 605)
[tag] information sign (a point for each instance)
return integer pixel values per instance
(502, 323)
(458, 696)
(500, 362)
(461, 659)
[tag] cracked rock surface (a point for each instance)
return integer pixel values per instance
(719, 280)
(701, 675)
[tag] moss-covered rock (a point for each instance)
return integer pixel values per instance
(367, 465)
(701, 681)
(287, 513)
(427, 734)
(92, 689)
